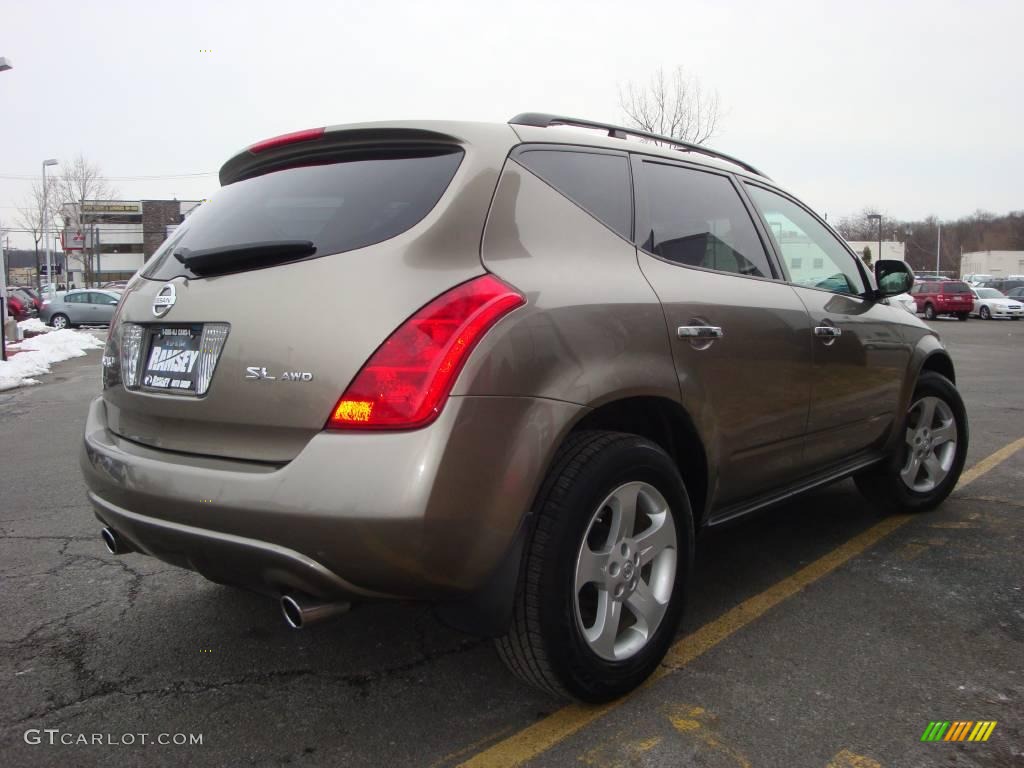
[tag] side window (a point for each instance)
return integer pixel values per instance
(102, 298)
(697, 219)
(598, 183)
(75, 298)
(810, 252)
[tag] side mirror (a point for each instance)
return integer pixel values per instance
(893, 277)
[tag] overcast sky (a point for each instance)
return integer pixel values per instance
(914, 107)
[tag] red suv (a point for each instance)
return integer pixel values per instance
(943, 297)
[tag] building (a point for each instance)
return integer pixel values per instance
(891, 249)
(129, 232)
(995, 263)
(21, 266)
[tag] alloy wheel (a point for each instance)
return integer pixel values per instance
(625, 571)
(931, 444)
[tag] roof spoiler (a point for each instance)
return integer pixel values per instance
(542, 120)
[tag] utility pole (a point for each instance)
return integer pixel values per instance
(938, 249)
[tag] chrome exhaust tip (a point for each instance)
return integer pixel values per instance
(300, 612)
(115, 544)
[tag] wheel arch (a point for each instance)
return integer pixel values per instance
(666, 423)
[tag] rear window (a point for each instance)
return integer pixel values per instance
(337, 206)
(955, 288)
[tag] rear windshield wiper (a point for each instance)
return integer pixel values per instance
(236, 258)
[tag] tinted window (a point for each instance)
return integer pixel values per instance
(812, 255)
(102, 298)
(697, 219)
(955, 288)
(597, 183)
(76, 298)
(338, 206)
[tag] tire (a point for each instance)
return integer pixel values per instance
(963, 316)
(885, 486)
(547, 644)
(929, 312)
(984, 313)
(60, 321)
(1015, 318)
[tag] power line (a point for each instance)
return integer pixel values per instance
(27, 177)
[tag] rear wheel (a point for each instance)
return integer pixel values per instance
(985, 314)
(59, 321)
(931, 455)
(603, 583)
(962, 316)
(929, 312)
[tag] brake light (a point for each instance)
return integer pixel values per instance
(288, 138)
(405, 382)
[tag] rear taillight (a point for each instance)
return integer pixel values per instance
(406, 381)
(289, 138)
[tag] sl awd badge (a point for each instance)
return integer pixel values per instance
(259, 373)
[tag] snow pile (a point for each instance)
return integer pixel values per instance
(35, 356)
(34, 325)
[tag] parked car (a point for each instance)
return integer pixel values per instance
(976, 279)
(33, 294)
(118, 285)
(990, 303)
(946, 297)
(80, 307)
(20, 305)
(1016, 293)
(522, 405)
(906, 301)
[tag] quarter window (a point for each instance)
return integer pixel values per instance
(697, 219)
(810, 253)
(598, 183)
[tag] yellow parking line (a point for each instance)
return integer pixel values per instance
(536, 739)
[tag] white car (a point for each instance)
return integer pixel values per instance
(906, 301)
(990, 303)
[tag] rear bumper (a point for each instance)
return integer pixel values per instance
(423, 514)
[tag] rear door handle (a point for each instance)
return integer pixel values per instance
(700, 332)
(828, 331)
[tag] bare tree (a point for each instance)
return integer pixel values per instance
(30, 217)
(81, 182)
(677, 106)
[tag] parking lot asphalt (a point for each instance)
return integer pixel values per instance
(820, 633)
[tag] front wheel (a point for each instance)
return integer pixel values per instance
(60, 322)
(985, 313)
(603, 583)
(929, 312)
(933, 447)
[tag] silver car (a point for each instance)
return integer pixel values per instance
(81, 307)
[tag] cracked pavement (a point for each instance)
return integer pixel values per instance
(99, 644)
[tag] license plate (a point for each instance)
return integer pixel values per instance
(172, 360)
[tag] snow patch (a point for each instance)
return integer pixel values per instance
(33, 357)
(34, 325)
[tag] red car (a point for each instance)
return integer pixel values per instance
(943, 297)
(20, 305)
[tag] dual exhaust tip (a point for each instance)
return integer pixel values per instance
(298, 611)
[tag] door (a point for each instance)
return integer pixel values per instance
(103, 306)
(78, 307)
(740, 336)
(860, 355)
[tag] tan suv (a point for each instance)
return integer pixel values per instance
(510, 369)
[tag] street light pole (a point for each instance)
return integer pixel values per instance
(877, 217)
(938, 249)
(5, 64)
(45, 225)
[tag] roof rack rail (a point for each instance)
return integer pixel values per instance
(542, 120)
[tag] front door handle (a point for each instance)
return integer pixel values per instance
(700, 332)
(828, 331)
